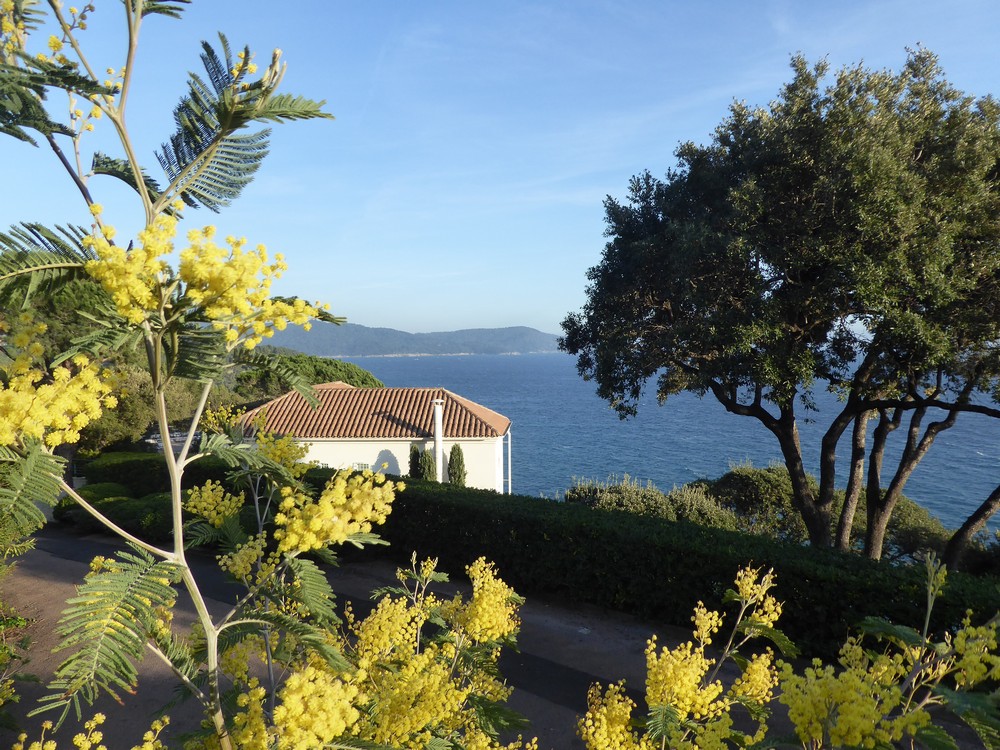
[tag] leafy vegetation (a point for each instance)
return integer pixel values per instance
(840, 237)
(456, 466)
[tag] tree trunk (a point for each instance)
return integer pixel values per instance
(959, 541)
(917, 446)
(873, 492)
(855, 481)
(815, 513)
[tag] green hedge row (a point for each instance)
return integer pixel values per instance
(650, 567)
(660, 569)
(145, 473)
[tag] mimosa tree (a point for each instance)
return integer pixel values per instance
(382, 680)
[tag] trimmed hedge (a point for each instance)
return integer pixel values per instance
(144, 473)
(660, 569)
(148, 517)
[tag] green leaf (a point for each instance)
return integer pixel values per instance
(885, 630)
(981, 711)
(660, 720)
(934, 737)
(34, 257)
(120, 169)
(495, 717)
(108, 622)
(34, 477)
(205, 161)
(194, 351)
(360, 539)
(171, 8)
(256, 359)
(313, 590)
(780, 640)
(308, 635)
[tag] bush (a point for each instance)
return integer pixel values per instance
(144, 473)
(689, 503)
(761, 500)
(660, 569)
(428, 469)
(414, 472)
(456, 466)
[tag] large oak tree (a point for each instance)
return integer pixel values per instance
(844, 237)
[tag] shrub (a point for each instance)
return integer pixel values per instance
(652, 567)
(144, 473)
(689, 503)
(761, 500)
(414, 472)
(456, 466)
(428, 469)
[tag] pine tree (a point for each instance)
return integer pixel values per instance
(456, 466)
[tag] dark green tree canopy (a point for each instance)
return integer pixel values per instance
(845, 236)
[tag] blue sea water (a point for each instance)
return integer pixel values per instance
(562, 431)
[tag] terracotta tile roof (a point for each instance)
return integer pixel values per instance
(364, 413)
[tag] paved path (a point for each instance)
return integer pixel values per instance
(562, 651)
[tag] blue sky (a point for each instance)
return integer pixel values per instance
(461, 184)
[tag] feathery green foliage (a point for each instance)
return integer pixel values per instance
(109, 622)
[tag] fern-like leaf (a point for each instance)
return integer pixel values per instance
(33, 477)
(120, 169)
(108, 622)
(313, 590)
(207, 163)
(309, 636)
(171, 9)
(256, 359)
(35, 258)
(195, 351)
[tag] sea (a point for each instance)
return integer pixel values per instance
(562, 432)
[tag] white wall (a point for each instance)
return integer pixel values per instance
(484, 459)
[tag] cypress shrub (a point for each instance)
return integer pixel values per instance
(456, 466)
(414, 472)
(428, 469)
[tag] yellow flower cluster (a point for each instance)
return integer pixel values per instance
(53, 406)
(492, 613)
(349, 504)
(752, 589)
(757, 682)
(92, 737)
(12, 32)
(851, 708)
(607, 725)
(674, 678)
(975, 653)
(221, 419)
(392, 629)
(250, 730)
(229, 285)
(416, 699)
(284, 451)
(240, 563)
(213, 503)
(232, 286)
(134, 278)
(226, 281)
(316, 707)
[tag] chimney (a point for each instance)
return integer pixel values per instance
(439, 438)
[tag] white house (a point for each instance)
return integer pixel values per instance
(375, 427)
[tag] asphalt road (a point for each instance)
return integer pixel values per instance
(562, 651)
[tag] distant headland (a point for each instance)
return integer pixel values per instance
(353, 340)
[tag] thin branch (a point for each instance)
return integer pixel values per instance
(112, 526)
